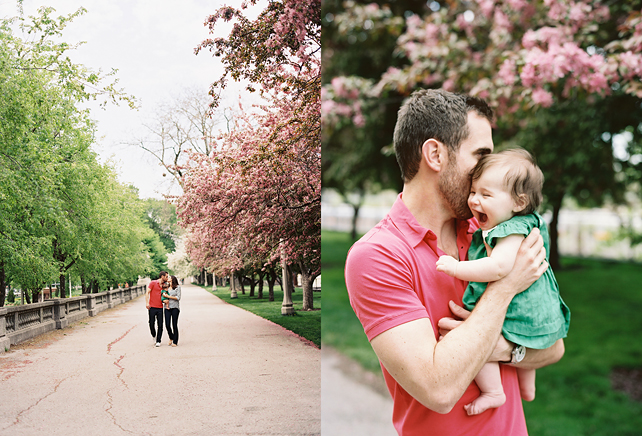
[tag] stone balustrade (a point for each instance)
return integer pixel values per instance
(19, 323)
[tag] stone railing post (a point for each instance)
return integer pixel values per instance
(5, 342)
(91, 305)
(60, 313)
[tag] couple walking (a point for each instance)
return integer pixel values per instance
(163, 295)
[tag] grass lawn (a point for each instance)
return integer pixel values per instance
(574, 396)
(304, 323)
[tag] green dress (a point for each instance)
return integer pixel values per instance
(537, 317)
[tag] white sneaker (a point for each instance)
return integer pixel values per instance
(158, 344)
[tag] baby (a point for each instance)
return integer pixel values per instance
(165, 294)
(506, 190)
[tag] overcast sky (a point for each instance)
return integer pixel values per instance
(151, 43)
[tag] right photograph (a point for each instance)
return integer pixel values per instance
(481, 218)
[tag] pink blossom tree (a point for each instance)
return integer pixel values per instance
(258, 193)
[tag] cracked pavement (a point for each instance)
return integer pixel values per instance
(233, 373)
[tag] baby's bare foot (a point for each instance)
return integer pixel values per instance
(487, 400)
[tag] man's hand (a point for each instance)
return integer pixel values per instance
(530, 264)
(502, 352)
(448, 265)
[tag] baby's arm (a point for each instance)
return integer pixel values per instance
(487, 269)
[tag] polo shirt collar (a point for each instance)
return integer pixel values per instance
(415, 232)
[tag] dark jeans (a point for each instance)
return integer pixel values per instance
(172, 330)
(156, 314)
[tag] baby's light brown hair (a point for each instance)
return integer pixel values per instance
(524, 179)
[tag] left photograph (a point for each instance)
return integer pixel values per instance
(160, 217)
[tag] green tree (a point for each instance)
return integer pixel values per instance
(160, 216)
(61, 212)
(357, 153)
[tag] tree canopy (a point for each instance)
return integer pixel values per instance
(61, 211)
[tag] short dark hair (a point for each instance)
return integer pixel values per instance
(162, 273)
(523, 177)
(433, 113)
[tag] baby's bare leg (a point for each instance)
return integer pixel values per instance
(526, 379)
(492, 395)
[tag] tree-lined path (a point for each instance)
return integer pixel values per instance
(233, 373)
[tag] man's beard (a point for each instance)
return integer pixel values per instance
(455, 189)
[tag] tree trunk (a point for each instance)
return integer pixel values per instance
(293, 280)
(61, 286)
(3, 284)
(252, 284)
(271, 280)
(554, 258)
(306, 282)
(261, 278)
(355, 217)
(355, 207)
(239, 276)
(83, 285)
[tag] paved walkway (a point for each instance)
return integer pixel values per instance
(233, 373)
(354, 402)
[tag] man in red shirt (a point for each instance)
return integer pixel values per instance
(428, 357)
(155, 306)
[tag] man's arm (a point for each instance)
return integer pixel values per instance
(438, 373)
(534, 359)
(147, 294)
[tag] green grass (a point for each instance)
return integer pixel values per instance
(304, 323)
(340, 327)
(574, 396)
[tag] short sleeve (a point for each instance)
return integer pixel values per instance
(518, 225)
(380, 287)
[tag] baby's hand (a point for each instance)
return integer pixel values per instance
(448, 265)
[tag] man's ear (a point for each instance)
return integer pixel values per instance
(520, 203)
(432, 152)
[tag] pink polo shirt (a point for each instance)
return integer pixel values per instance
(392, 279)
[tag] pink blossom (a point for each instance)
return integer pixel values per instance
(528, 75)
(502, 21)
(556, 10)
(579, 11)
(462, 23)
(372, 8)
(517, 5)
(414, 21)
(432, 31)
(449, 85)
(529, 40)
(542, 97)
(507, 72)
(359, 120)
(597, 82)
(487, 7)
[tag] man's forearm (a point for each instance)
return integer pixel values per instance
(535, 359)
(438, 375)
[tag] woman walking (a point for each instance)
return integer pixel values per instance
(172, 311)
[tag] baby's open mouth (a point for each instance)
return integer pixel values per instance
(482, 217)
